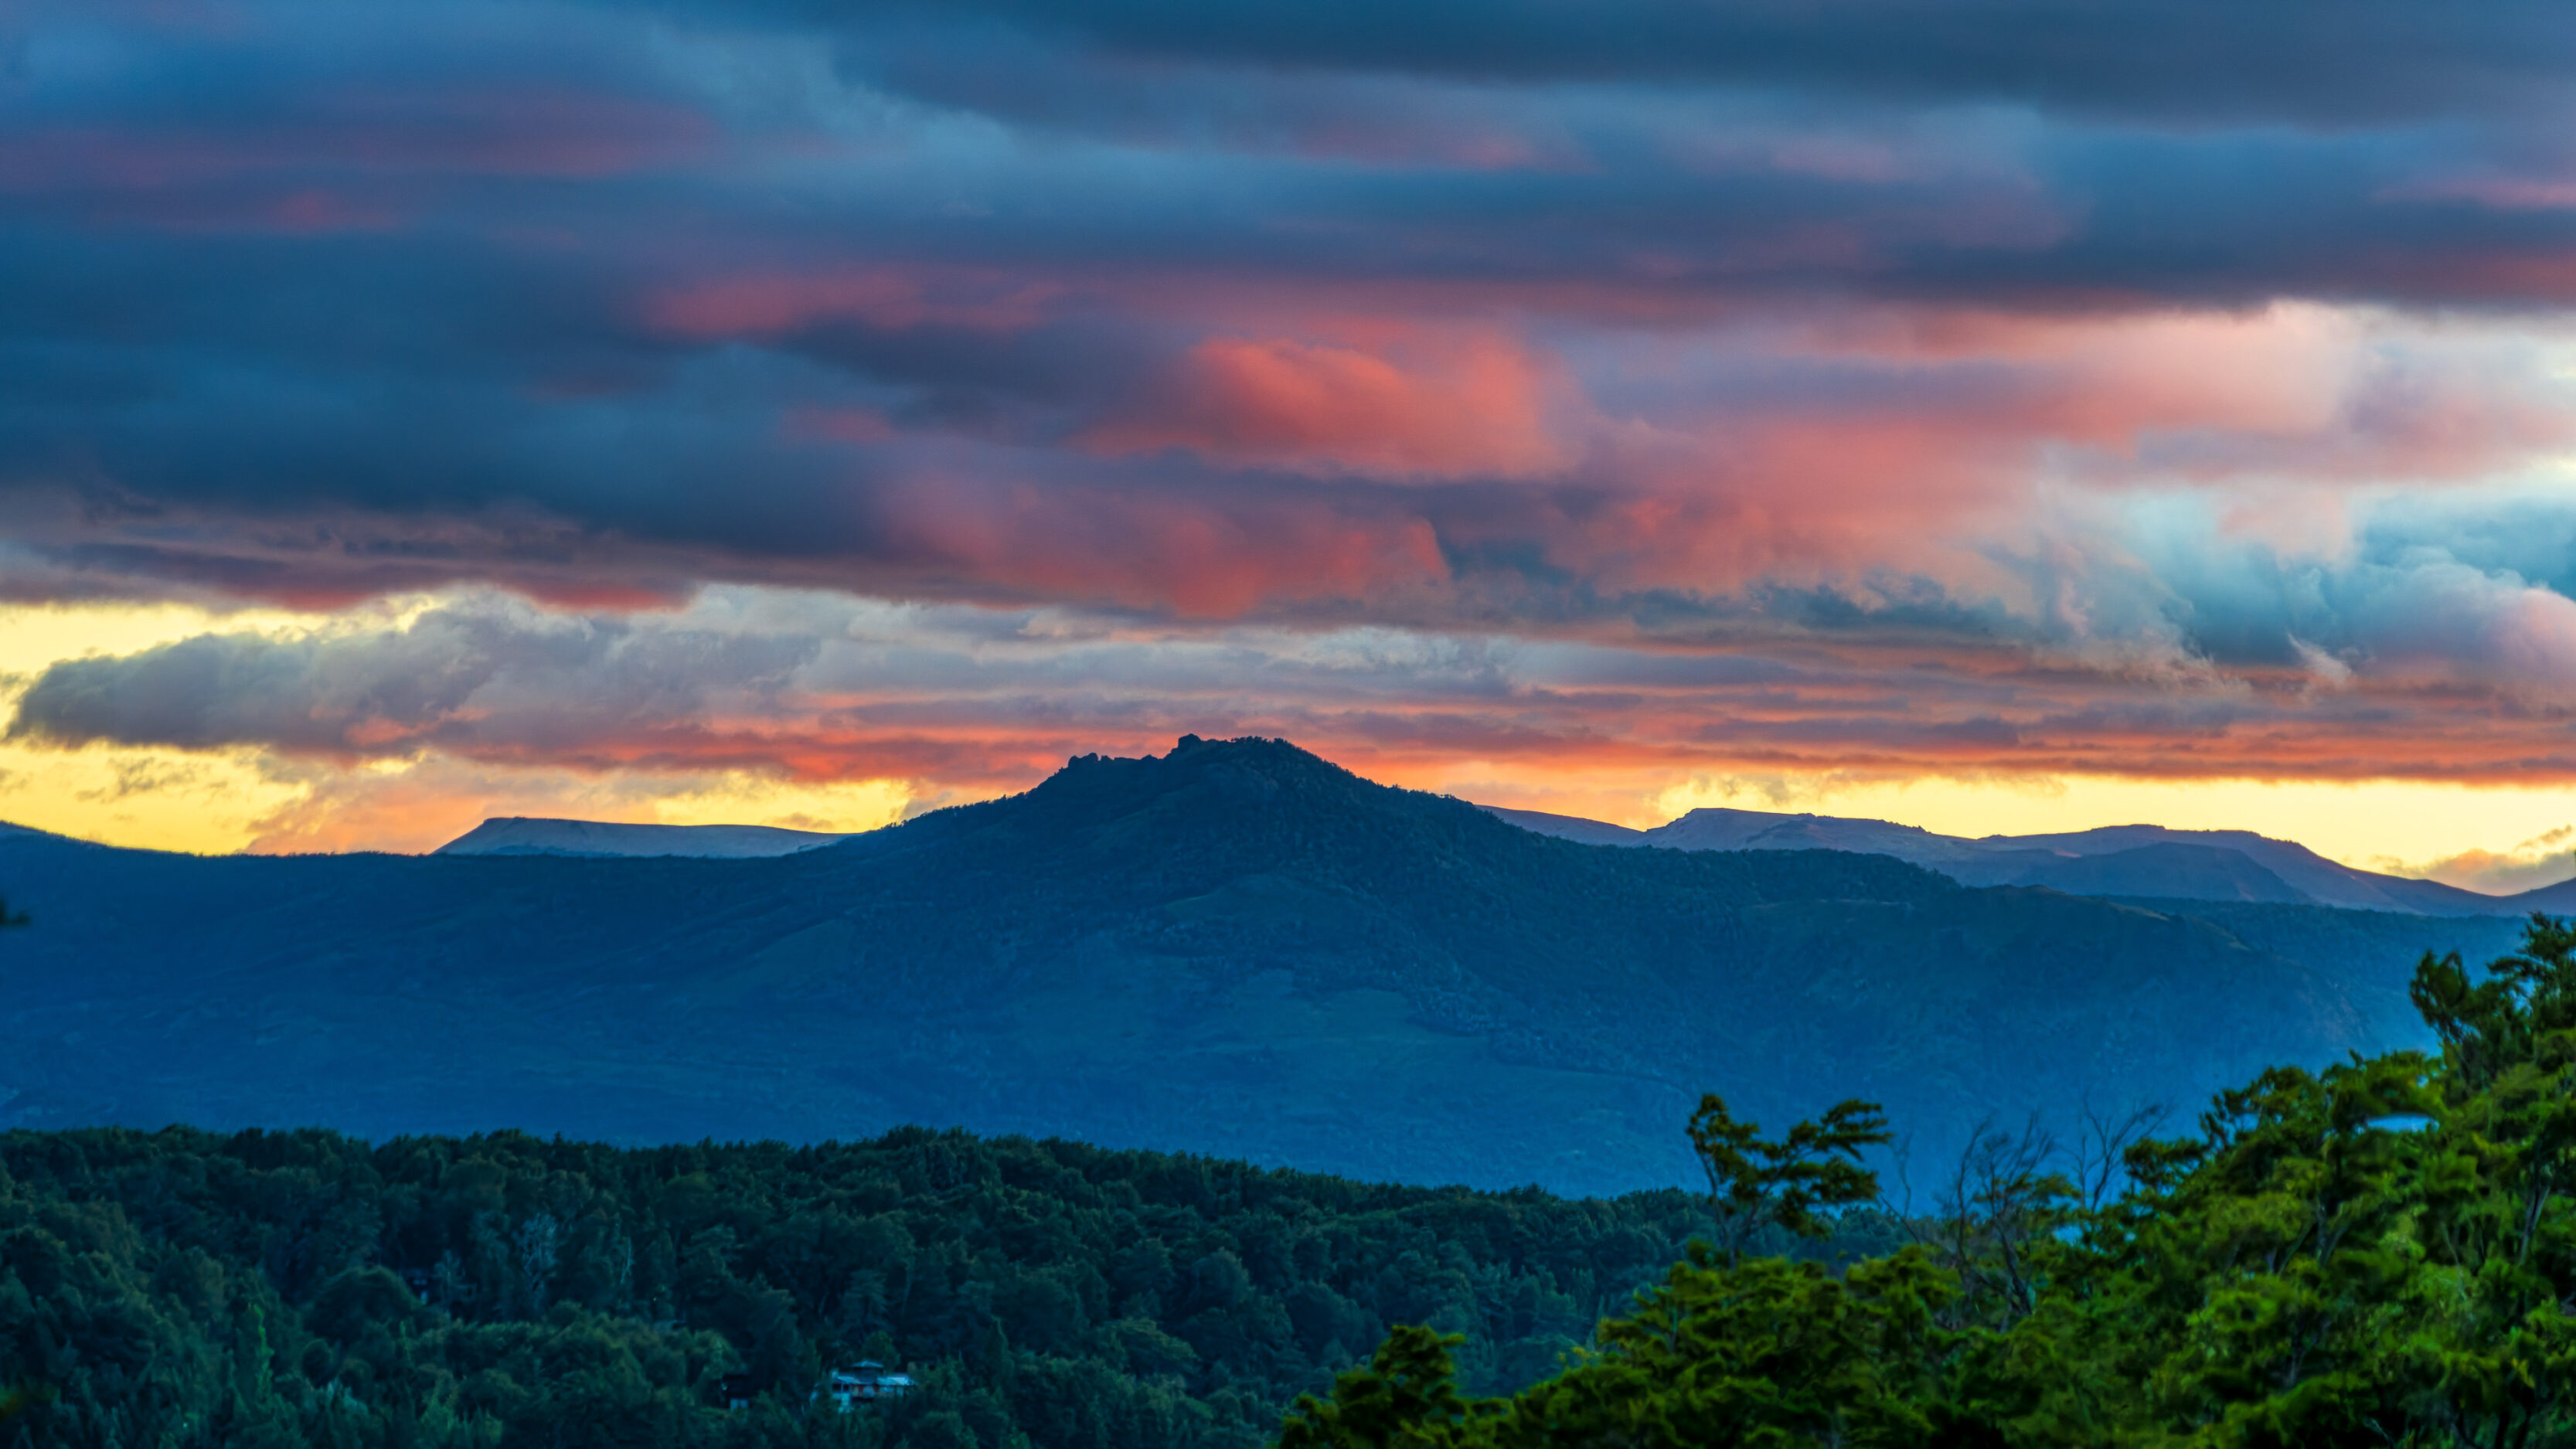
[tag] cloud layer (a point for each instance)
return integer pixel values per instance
(2022, 387)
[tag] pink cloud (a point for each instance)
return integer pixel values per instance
(1206, 560)
(1419, 404)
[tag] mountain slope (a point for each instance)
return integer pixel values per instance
(1235, 948)
(2124, 860)
(524, 835)
(2556, 899)
(1569, 827)
(2325, 882)
(2166, 870)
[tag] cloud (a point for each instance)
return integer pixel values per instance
(2023, 388)
(957, 701)
(486, 679)
(2543, 860)
(765, 304)
(1472, 405)
(2194, 59)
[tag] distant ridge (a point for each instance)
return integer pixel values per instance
(2115, 860)
(1234, 948)
(1571, 827)
(529, 835)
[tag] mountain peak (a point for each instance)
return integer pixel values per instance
(1233, 944)
(1192, 758)
(1198, 777)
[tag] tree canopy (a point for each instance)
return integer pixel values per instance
(2379, 1253)
(184, 1288)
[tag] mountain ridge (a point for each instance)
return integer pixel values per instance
(539, 835)
(2120, 860)
(2268, 866)
(1235, 948)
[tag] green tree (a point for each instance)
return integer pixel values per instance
(1754, 1184)
(1407, 1396)
(2378, 1253)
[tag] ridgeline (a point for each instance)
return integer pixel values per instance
(1236, 948)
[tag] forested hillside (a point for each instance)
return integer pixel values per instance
(182, 1288)
(2374, 1254)
(1234, 948)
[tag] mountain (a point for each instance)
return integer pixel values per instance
(2556, 899)
(2169, 870)
(2325, 882)
(1570, 827)
(1235, 948)
(2117, 860)
(523, 835)
(1719, 829)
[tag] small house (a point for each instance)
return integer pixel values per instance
(736, 1391)
(863, 1383)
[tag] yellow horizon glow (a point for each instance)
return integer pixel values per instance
(218, 802)
(202, 802)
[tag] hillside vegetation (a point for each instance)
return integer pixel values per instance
(2374, 1254)
(182, 1288)
(2377, 1254)
(1236, 948)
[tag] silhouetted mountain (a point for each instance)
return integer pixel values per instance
(2555, 899)
(1570, 827)
(1235, 948)
(2122, 860)
(524, 835)
(1721, 829)
(2325, 882)
(2171, 870)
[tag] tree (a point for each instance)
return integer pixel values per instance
(2376, 1253)
(1407, 1396)
(1994, 1220)
(1755, 1184)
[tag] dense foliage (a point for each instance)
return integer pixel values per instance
(179, 1288)
(2383, 1253)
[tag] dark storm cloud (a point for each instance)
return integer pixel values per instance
(1689, 327)
(2195, 60)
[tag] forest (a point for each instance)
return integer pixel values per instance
(183, 1288)
(2380, 1253)
(2374, 1253)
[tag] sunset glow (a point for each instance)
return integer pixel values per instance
(714, 412)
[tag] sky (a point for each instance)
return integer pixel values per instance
(2001, 415)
